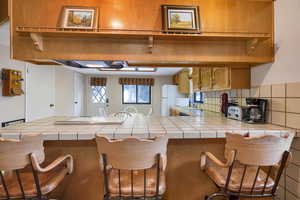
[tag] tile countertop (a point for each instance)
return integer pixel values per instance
(206, 125)
(189, 111)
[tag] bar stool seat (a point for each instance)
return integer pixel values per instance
(253, 165)
(138, 182)
(219, 175)
(48, 182)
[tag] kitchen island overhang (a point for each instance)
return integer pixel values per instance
(206, 125)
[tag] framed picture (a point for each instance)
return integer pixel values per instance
(176, 18)
(79, 17)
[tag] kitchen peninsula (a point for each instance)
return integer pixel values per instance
(189, 136)
(205, 125)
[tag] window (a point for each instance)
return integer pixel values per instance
(198, 97)
(136, 94)
(99, 94)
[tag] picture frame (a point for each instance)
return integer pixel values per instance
(78, 17)
(180, 18)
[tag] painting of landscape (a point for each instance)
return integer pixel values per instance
(79, 18)
(179, 19)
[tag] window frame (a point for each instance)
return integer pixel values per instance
(201, 98)
(136, 92)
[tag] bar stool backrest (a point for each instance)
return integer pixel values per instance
(14, 154)
(266, 153)
(132, 153)
(265, 150)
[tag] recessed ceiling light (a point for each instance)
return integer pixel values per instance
(108, 69)
(94, 65)
(146, 69)
(128, 69)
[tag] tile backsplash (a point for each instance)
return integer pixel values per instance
(212, 99)
(284, 102)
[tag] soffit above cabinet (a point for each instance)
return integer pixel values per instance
(231, 32)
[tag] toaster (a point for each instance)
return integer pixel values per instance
(235, 112)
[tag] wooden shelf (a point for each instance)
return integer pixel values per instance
(140, 34)
(38, 33)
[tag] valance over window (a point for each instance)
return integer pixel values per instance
(97, 81)
(136, 81)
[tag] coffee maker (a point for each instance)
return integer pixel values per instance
(255, 111)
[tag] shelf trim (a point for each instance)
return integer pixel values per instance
(143, 33)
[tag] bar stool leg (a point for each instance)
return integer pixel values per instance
(211, 197)
(231, 197)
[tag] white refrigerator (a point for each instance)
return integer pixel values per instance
(168, 98)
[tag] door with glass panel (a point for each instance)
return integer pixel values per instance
(98, 104)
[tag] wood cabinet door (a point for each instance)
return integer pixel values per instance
(184, 82)
(196, 79)
(220, 77)
(175, 79)
(206, 78)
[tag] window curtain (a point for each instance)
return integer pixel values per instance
(96, 81)
(136, 81)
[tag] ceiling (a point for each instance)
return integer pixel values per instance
(161, 71)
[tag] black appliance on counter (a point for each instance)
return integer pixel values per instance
(255, 111)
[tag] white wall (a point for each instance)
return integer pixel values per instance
(64, 92)
(114, 92)
(286, 67)
(79, 94)
(11, 108)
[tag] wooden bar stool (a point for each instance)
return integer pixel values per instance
(21, 175)
(131, 109)
(121, 115)
(253, 168)
(132, 167)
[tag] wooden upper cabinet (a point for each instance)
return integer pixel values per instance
(206, 78)
(184, 82)
(3, 11)
(220, 78)
(196, 79)
(175, 79)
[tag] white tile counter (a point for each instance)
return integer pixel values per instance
(207, 125)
